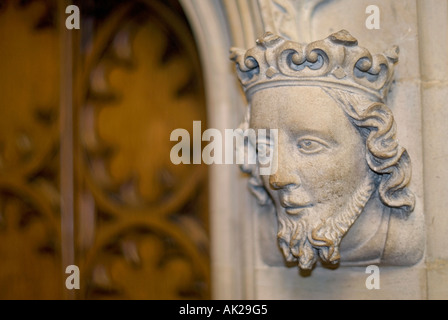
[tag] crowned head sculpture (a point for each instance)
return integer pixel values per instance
(341, 173)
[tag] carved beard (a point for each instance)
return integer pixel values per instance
(303, 241)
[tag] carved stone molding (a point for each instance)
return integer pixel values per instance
(288, 18)
(291, 19)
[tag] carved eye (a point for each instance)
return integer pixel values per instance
(310, 146)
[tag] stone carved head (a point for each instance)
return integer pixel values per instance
(336, 146)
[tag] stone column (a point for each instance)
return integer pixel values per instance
(433, 38)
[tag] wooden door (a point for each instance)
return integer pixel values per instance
(85, 171)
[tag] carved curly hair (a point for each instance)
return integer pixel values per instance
(385, 156)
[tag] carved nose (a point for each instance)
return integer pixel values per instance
(283, 179)
(286, 176)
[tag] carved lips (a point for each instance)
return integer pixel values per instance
(294, 208)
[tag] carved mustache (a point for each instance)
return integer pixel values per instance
(294, 204)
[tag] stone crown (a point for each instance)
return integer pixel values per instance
(336, 61)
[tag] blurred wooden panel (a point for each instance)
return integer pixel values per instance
(143, 228)
(141, 223)
(30, 266)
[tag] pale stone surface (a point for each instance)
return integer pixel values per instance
(433, 30)
(347, 283)
(437, 273)
(242, 267)
(433, 38)
(435, 98)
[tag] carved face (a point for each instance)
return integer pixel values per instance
(323, 180)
